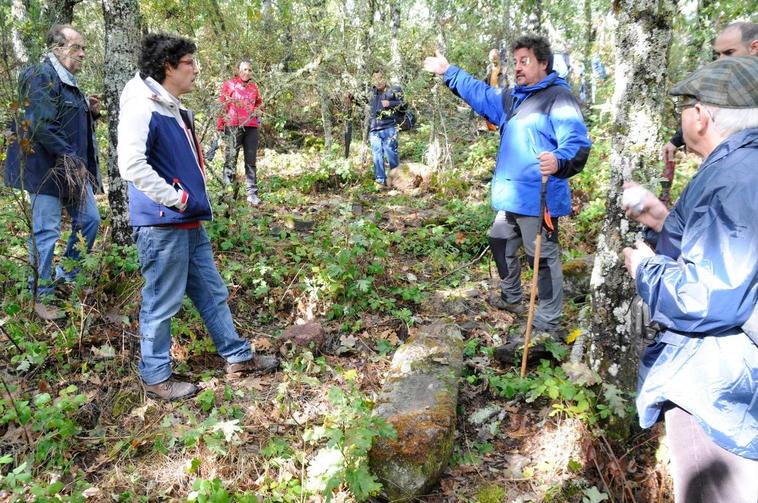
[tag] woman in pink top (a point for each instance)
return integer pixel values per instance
(241, 108)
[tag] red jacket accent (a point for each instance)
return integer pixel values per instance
(238, 102)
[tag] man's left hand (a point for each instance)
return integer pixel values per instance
(94, 105)
(548, 163)
(385, 103)
(633, 257)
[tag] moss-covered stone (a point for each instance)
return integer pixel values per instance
(419, 399)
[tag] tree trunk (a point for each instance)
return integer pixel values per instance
(20, 43)
(326, 114)
(396, 59)
(121, 48)
(534, 23)
(643, 37)
(59, 12)
(506, 43)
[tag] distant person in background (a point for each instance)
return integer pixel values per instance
(737, 39)
(385, 101)
(241, 107)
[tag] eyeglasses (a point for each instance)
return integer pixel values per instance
(685, 103)
(74, 47)
(190, 61)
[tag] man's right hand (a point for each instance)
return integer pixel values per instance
(652, 212)
(669, 152)
(436, 64)
(183, 200)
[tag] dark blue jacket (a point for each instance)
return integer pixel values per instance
(543, 117)
(56, 123)
(702, 286)
(158, 154)
(385, 117)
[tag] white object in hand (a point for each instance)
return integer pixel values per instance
(634, 199)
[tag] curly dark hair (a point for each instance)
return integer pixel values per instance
(538, 44)
(159, 49)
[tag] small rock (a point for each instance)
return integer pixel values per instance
(481, 416)
(309, 335)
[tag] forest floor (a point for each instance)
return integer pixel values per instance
(371, 267)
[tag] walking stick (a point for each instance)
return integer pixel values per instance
(536, 269)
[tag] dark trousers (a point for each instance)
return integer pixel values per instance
(245, 138)
(702, 471)
(508, 233)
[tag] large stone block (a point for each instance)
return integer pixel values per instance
(419, 399)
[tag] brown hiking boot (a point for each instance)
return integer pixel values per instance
(499, 302)
(48, 313)
(170, 390)
(258, 364)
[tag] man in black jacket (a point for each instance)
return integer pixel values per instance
(385, 104)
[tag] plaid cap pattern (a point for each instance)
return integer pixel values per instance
(730, 82)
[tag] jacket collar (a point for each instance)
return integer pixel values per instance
(156, 92)
(734, 142)
(551, 79)
(63, 74)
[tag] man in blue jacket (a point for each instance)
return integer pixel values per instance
(159, 155)
(53, 157)
(541, 134)
(385, 102)
(701, 284)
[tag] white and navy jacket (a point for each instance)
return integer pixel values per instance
(158, 155)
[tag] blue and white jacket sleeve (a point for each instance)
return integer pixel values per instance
(133, 140)
(487, 101)
(712, 286)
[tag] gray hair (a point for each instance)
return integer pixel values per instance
(56, 37)
(729, 121)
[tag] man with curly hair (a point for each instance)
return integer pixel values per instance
(159, 156)
(53, 157)
(542, 135)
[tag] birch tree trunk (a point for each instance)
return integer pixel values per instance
(643, 36)
(59, 12)
(396, 59)
(121, 48)
(19, 16)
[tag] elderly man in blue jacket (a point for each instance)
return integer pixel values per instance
(53, 156)
(541, 134)
(701, 284)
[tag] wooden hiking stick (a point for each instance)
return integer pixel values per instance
(536, 269)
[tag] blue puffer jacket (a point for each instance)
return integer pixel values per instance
(544, 117)
(59, 123)
(702, 285)
(159, 155)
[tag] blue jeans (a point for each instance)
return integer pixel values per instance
(384, 142)
(46, 228)
(174, 262)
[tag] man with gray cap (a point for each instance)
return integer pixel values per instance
(701, 284)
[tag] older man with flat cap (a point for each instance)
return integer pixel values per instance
(701, 284)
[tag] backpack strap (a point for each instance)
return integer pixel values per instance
(507, 104)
